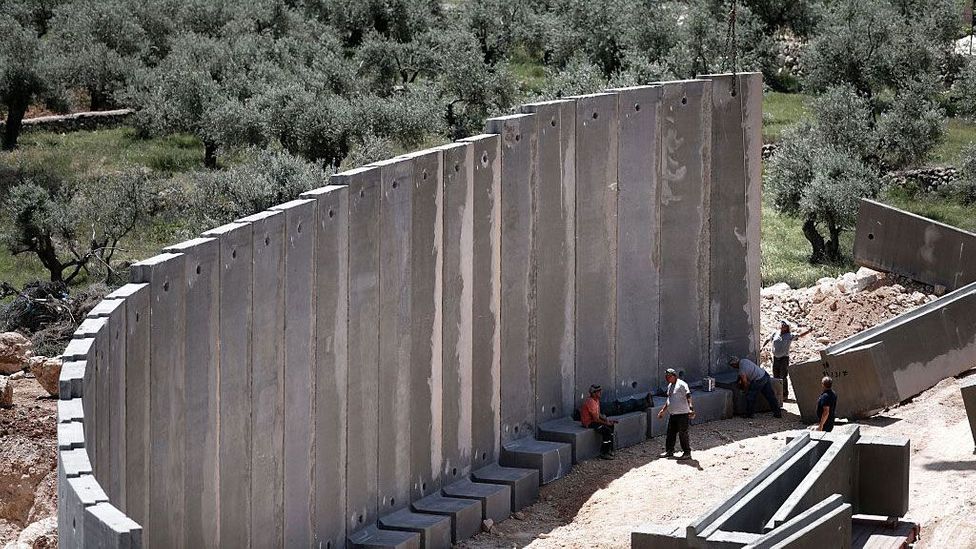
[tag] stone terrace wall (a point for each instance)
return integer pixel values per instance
(286, 379)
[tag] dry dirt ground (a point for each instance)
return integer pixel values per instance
(599, 503)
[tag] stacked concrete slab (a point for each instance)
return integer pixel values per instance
(392, 358)
(805, 497)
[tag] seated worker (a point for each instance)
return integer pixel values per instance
(591, 418)
(827, 405)
(754, 380)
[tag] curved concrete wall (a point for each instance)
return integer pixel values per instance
(286, 379)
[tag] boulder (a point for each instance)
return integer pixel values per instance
(42, 534)
(47, 371)
(6, 392)
(865, 277)
(777, 289)
(15, 349)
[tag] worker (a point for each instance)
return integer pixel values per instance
(781, 340)
(591, 418)
(754, 380)
(827, 405)
(681, 409)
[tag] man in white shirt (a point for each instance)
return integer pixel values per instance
(681, 409)
(754, 380)
(781, 340)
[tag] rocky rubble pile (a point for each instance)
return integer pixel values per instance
(927, 180)
(837, 308)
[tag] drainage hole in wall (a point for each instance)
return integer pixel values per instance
(552, 122)
(870, 236)
(516, 428)
(484, 159)
(362, 193)
(425, 175)
(198, 269)
(553, 410)
(395, 184)
(423, 487)
(165, 286)
(233, 254)
(518, 137)
(454, 471)
(267, 240)
(360, 519)
(484, 455)
(392, 502)
(684, 100)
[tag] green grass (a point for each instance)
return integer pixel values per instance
(785, 252)
(960, 133)
(531, 75)
(77, 154)
(780, 111)
(933, 207)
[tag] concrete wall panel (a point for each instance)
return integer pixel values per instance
(685, 146)
(136, 400)
(362, 405)
(426, 268)
(638, 240)
(299, 379)
(395, 221)
(519, 137)
(555, 258)
(234, 403)
(596, 242)
(166, 276)
(968, 389)
(200, 380)
(893, 240)
(457, 303)
(733, 258)
(330, 365)
(486, 301)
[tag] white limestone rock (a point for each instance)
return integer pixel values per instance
(15, 349)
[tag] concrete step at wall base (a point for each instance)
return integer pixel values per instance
(585, 442)
(524, 483)
(372, 537)
(496, 499)
(729, 380)
(712, 405)
(657, 427)
(631, 429)
(553, 460)
(465, 514)
(434, 530)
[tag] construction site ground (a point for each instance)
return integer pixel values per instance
(600, 502)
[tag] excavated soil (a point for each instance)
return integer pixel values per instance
(599, 503)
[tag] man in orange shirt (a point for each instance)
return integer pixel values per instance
(591, 418)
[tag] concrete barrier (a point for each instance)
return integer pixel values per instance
(968, 389)
(893, 240)
(298, 375)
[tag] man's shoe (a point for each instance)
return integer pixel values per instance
(666, 455)
(685, 456)
(608, 457)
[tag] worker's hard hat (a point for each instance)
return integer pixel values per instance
(595, 388)
(671, 372)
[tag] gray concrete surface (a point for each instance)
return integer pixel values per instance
(860, 389)
(553, 460)
(685, 193)
(111, 392)
(106, 526)
(968, 389)
(554, 250)
(496, 499)
(656, 536)
(465, 514)
(631, 429)
(597, 138)
(524, 483)
(372, 537)
(711, 405)
(883, 467)
(486, 290)
(820, 525)
(637, 239)
(136, 400)
(434, 530)
(585, 442)
(893, 240)
(519, 148)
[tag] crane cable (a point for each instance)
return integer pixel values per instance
(731, 47)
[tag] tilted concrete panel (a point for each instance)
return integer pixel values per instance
(299, 379)
(855, 374)
(685, 146)
(638, 240)
(555, 258)
(363, 335)
(596, 242)
(825, 524)
(457, 303)
(201, 380)
(968, 388)
(519, 149)
(330, 365)
(393, 435)
(893, 240)
(426, 352)
(486, 301)
(734, 279)
(166, 276)
(883, 467)
(235, 326)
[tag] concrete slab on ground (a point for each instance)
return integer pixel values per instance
(553, 460)
(434, 530)
(883, 466)
(465, 514)
(585, 442)
(524, 483)
(630, 430)
(496, 499)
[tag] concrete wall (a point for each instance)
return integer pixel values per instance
(289, 378)
(893, 240)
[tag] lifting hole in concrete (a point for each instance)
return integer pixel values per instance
(233, 254)
(733, 92)
(299, 227)
(516, 428)
(457, 167)
(553, 410)
(423, 486)
(137, 317)
(484, 456)
(328, 545)
(596, 115)
(425, 175)
(484, 159)
(362, 193)
(395, 184)
(392, 502)
(684, 100)
(360, 519)
(633, 385)
(267, 240)
(518, 137)
(637, 106)
(198, 269)
(454, 471)
(331, 213)
(165, 286)
(552, 122)
(870, 236)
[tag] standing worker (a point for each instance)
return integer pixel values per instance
(827, 406)
(781, 353)
(591, 418)
(681, 409)
(754, 380)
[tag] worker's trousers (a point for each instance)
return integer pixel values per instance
(781, 370)
(765, 387)
(677, 427)
(606, 432)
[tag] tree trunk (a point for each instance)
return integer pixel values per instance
(49, 258)
(816, 240)
(833, 245)
(15, 116)
(210, 155)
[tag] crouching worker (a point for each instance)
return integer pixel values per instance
(681, 409)
(591, 418)
(755, 380)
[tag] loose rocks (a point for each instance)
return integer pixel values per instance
(6, 392)
(47, 371)
(15, 349)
